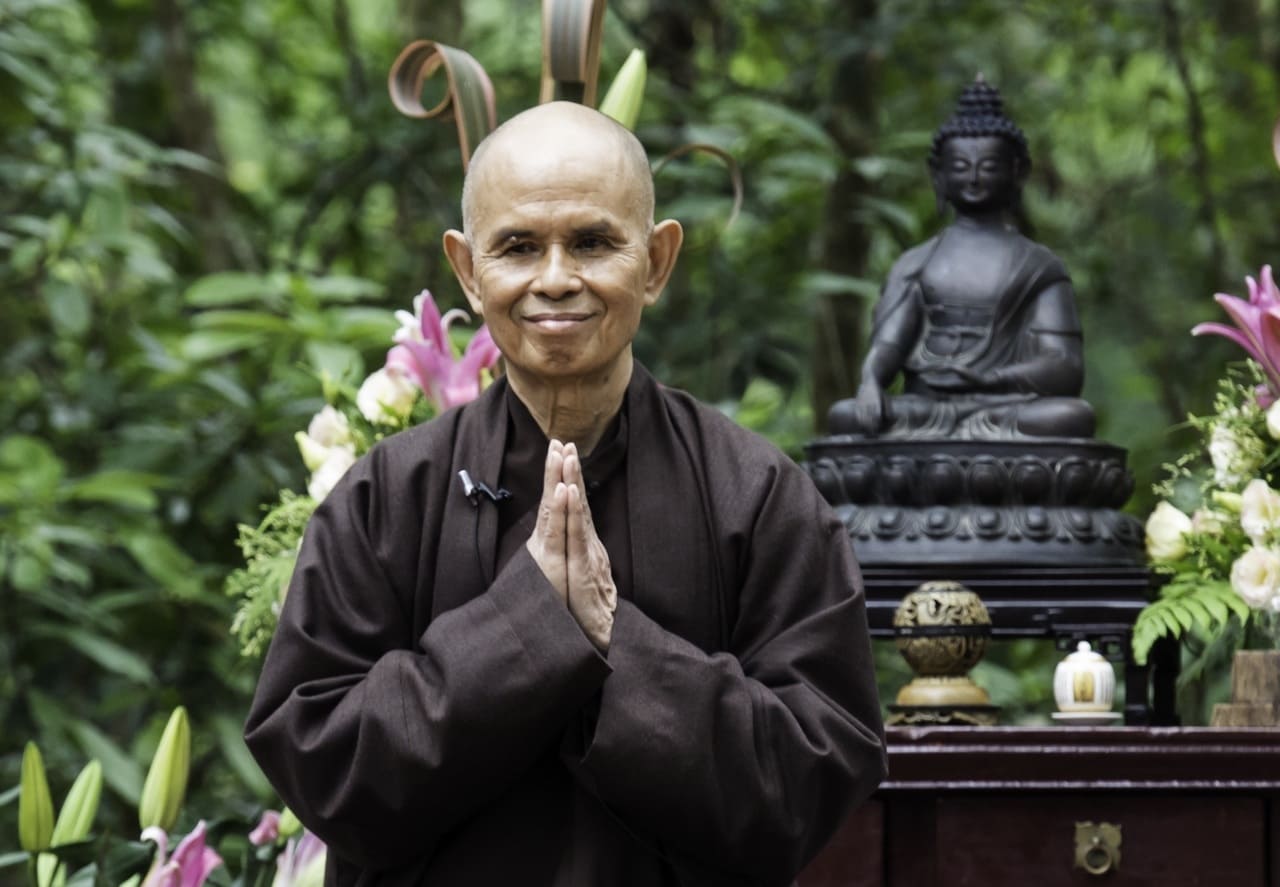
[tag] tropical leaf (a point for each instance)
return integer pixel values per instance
(731, 164)
(469, 92)
(571, 33)
(164, 562)
(129, 489)
(113, 657)
(230, 733)
(119, 770)
(229, 288)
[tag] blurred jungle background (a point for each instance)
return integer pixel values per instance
(163, 161)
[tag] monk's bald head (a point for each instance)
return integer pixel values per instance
(539, 139)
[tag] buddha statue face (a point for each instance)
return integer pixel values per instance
(978, 173)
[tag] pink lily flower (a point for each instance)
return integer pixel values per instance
(424, 354)
(190, 864)
(1257, 328)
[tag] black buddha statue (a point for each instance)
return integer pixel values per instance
(979, 320)
(988, 455)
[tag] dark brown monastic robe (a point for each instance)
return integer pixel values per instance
(433, 712)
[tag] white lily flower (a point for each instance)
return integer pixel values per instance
(1167, 530)
(1255, 576)
(326, 477)
(386, 397)
(1259, 511)
(329, 428)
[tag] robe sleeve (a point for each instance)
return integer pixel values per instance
(745, 762)
(381, 741)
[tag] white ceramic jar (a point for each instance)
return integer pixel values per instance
(1084, 682)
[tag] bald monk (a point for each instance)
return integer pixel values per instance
(646, 665)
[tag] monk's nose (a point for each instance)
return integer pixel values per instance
(558, 276)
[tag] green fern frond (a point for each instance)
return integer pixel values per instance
(1186, 604)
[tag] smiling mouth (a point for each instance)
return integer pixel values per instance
(557, 322)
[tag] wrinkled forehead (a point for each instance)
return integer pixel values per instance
(565, 160)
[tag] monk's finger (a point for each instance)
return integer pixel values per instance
(547, 544)
(558, 522)
(576, 539)
(573, 474)
(552, 471)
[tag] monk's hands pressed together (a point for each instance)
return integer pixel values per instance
(565, 546)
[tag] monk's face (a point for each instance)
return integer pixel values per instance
(978, 173)
(560, 261)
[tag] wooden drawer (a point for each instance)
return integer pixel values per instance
(1178, 839)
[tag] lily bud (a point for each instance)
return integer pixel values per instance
(313, 453)
(35, 807)
(1230, 502)
(622, 101)
(166, 782)
(74, 821)
(289, 824)
(76, 816)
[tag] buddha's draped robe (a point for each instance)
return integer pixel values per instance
(433, 712)
(1034, 301)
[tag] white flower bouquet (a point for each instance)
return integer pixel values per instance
(423, 376)
(1215, 535)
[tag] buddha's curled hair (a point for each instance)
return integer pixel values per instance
(979, 113)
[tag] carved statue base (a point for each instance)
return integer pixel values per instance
(1049, 502)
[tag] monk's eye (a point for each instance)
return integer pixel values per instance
(959, 166)
(592, 244)
(519, 249)
(990, 165)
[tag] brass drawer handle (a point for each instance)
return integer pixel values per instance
(1098, 847)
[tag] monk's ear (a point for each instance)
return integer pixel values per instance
(458, 251)
(664, 248)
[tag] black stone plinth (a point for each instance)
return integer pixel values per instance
(1050, 502)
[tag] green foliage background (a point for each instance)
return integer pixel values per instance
(203, 206)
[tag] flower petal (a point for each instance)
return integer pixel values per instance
(1269, 330)
(267, 829)
(424, 306)
(481, 352)
(1269, 294)
(1221, 329)
(420, 361)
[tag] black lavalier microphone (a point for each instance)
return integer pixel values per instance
(473, 490)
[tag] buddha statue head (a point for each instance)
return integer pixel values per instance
(979, 160)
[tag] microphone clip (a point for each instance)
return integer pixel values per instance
(474, 489)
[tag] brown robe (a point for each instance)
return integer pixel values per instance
(436, 715)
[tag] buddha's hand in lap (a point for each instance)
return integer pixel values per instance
(565, 546)
(869, 409)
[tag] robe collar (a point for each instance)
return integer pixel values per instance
(676, 575)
